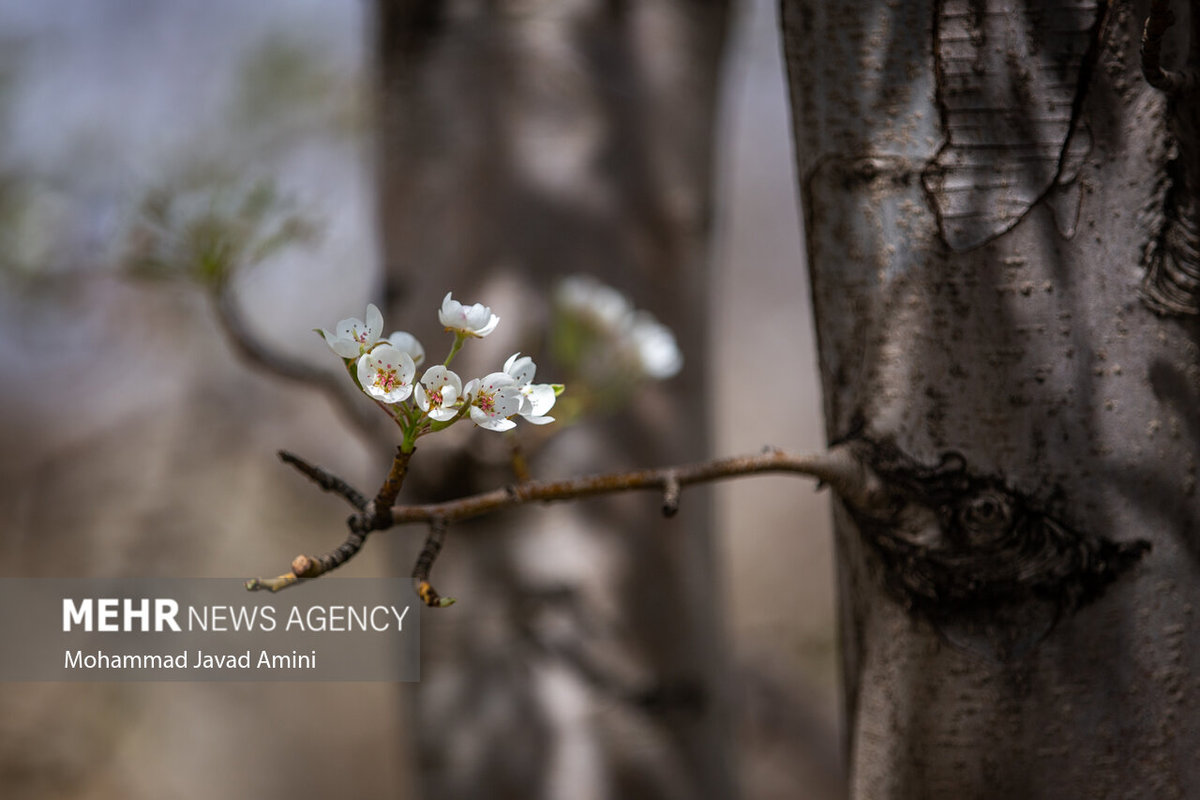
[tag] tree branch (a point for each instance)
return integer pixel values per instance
(429, 554)
(369, 518)
(257, 352)
(839, 467)
(326, 480)
(390, 489)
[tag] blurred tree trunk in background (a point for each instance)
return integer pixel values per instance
(1001, 239)
(520, 143)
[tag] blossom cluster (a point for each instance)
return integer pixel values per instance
(637, 342)
(386, 369)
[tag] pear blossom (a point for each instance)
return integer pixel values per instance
(407, 343)
(645, 346)
(657, 352)
(588, 297)
(494, 399)
(477, 320)
(536, 398)
(438, 393)
(352, 337)
(386, 373)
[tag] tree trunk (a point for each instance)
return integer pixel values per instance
(518, 146)
(998, 217)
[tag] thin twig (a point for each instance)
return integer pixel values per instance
(256, 351)
(360, 525)
(305, 567)
(326, 480)
(670, 506)
(429, 554)
(272, 584)
(313, 567)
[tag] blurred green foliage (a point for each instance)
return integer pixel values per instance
(217, 205)
(212, 219)
(208, 229)
(287, 91)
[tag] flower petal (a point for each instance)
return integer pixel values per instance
(374, 324)
(539, 398)
(490, 423)
(443, 414)
(508, 402)
(522, 369)
(343, 346)
(438, 376)
(450, 312)
(349, 328)
(657, 352)
(352, 337)
(403, 340)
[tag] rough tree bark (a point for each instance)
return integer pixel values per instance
(520, 143)
(999, 213)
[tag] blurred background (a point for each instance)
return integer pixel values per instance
(138, 441)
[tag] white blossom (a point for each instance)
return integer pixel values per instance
(476, 320)
(494, 399)
(352, 337)
(587, 297)
(536, 398)
(657, 353)
(438, 393)
(386, 373)
(642, 343)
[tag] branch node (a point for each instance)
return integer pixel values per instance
(373, 515)
(670, 506)
(429, 554)
(382, 512)
(305, 567)
(326, 480)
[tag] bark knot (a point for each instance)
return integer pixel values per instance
(968, 552)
